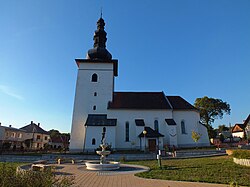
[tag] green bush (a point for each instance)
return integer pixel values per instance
(241, 154)
(10, 178)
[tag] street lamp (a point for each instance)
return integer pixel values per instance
(144, 133)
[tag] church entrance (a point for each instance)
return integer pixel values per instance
(152, 145)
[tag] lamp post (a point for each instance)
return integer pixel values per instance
(144, 133)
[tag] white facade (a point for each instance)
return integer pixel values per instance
(94, 93)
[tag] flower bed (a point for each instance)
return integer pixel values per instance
(243, 162)
(241, 157)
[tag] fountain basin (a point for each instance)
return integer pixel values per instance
(104, 153)
(95, 165)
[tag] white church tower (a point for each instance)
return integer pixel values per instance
(94, 87)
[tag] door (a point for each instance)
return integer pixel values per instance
(152, 145)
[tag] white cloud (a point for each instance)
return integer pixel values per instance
(7, 90)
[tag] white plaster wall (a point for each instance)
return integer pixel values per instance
(238, 134)
(149, 117)
(96, 132)
(191, 119)
(85, 99)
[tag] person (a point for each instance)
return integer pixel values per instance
(174, 151)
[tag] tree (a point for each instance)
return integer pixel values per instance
(211, 109)
(222, 128)
(54, 133)
(196, 136)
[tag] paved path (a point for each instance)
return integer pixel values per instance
(107, 179)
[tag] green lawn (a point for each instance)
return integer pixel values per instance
(212, 170)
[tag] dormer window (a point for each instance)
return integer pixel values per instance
(94, 77)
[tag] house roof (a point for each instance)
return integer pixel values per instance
(238, 127)
(170, 121)
(34, 128)
(13, 129)
(178, 103)
(100, 120)
(150, 133)
(139, 100)
(59, 139)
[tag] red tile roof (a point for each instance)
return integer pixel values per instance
(139, 100)
(178, 103)
(148, 100)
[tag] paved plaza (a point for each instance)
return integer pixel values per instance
(87, 178)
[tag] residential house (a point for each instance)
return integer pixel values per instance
(11, 138)
(242, 129)
(59, 142)
(35, 136)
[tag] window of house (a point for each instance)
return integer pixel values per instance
(156, 124)
(183, 128)
(94, 77)
(94, 107)
(95, 94)
(38, 137)
(13, 135)
(127, 131)
(20, 135)
(46, 137)
(93, 141)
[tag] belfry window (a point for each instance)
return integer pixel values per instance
(95, 94)
(94, 107)
(94, 77)
(127, 131)
(93, 141)
(183, 128)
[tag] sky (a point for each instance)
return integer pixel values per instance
(188, 48)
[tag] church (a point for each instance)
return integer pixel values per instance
(145, 121)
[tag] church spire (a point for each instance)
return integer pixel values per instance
(99, 52)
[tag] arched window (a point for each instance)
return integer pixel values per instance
(104, 129)
(94, 77)
(94, 107)
(93, 141)
(183, 128)
(156, 124)
(95, 94)
(127, 131)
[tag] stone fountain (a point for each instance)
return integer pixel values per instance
(103, 165)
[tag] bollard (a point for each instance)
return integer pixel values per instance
(159, 159)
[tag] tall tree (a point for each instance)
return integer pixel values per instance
(211, 109)
(223, 128)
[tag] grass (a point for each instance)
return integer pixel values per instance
(10, 178)
(211, 170)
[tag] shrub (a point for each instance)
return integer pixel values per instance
(241, 154)
(10, 178)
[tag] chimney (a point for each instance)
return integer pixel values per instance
(0, 124)
(31, 122)
(9, 125)
(38, 124)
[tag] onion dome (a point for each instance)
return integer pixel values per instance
(99, 52)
